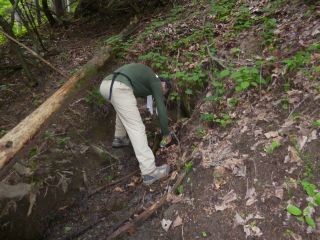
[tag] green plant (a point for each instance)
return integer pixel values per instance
(180, 189)
(222, 9)
(285, 103)
(33, 151)
(223, 120)
(48, 135)
(243, 20)
(300, 59)
(204, 234)
(157, 60)
(232, 102)
(63, 141)
(316, 123)
(269, 25)
(201, 132)
(244, 77)
(273, 146)
(3, 132)
(308, 171)
(174, 96)
(313, 200)
(194, 79)
(188, 166)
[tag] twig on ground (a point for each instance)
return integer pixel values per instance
(83, 230)
(299, 104)
(99, 150)
(147, 213)
(99, 189)
(34, 54)
(217, 61)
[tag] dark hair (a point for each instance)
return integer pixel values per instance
(167, 81)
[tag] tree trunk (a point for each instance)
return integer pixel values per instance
(38, 11)
(59, 9)
(47, 12)
(16, 50)
(14, 140)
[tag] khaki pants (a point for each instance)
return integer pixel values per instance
(128, 120)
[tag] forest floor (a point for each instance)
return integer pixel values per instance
(248, 164)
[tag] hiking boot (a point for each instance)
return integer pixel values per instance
(119, 142)
(158, 173)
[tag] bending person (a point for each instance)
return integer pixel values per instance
(121, 88)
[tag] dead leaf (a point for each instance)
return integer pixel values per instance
(226, 200)
(290, 183)
(313, 136)
(295, 236)
(165, 224)
(254, 147)
(293, 156)
(83, 148)
(251, 196)
(135, 180)
(258, 132)
(236, 166)
(302, 141)
(252, 231)
(271, 134)
(177, 222)
(218, 174)
(279, 192)
(173, 176)
(238, 220)
(118, 189)
(173, 198)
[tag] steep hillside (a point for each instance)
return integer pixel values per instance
(245, 116)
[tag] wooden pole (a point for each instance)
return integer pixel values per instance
(19, 136)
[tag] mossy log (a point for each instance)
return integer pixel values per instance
(18, 137)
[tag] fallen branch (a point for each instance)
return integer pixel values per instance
(298, 105)
(34, 54)
(147, 213)
(99, 189)
(100, 151)
(217, 61)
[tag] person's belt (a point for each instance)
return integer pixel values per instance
(115, 75)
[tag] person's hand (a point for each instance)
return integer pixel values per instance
(166, 140)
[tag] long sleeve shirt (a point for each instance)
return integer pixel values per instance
(145, 82)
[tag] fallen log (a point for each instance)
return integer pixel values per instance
(19, 136)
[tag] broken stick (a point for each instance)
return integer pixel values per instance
(148, 212)
(34, 54)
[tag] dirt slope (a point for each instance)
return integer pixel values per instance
(249, 73)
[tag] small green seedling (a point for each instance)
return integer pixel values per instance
(63, 141)
(180, 189)
(188, 166)
(313, 199)
(33, 151)
(316, 123)
(204, 234)
(273, 146)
